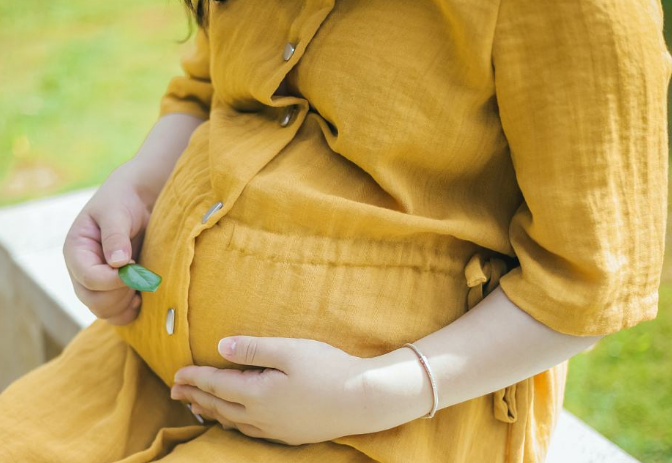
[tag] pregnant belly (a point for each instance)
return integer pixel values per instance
(367, 297)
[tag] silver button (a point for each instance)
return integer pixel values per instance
(198, 417)
(170, 321)
(215, 207)
(289, 51)
(287, 116)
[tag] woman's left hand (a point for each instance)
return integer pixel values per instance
(309, 392)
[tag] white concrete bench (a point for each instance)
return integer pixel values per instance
(39, 312)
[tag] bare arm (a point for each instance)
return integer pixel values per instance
(493, 345)
(156, 158)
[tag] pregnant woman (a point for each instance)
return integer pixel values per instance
(407, 215)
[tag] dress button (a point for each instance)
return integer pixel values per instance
(198, 417)
(289, 51)
(214, 208)
(287, 116)
(170, 321)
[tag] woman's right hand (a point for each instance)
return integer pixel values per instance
(109, 230)
(106, 235)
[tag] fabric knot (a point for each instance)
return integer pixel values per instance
(482, 274)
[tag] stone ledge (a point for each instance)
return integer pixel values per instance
(38, 308)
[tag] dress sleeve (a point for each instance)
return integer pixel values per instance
(192, 92)
(581, 88)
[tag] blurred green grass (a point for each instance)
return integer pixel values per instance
(623, 388)
(80, 86)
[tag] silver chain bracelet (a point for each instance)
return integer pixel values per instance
(425, 364)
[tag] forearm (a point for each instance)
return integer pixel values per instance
(493, 345)
(156, 158)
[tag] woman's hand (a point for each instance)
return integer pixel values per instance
(309, 392)
(106, 235)
(109, 231)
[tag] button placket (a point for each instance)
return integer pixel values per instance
(288, 38)
(288, 113)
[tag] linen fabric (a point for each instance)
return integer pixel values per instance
(437, 149)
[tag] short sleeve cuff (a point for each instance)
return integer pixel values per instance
(578, 311)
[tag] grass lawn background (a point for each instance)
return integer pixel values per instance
(80, 84)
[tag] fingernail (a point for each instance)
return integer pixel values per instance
(227, 346)
(118, 256)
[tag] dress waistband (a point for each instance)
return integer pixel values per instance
(431, 253)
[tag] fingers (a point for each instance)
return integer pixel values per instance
(213, 406)
(96, 283)
(196, 409)
(226, 424)
(84, 257)
(230, 385)
(136, 244)
(126, 317)
(247, 429)
(105, 304)
(110, 305)
(115, 233)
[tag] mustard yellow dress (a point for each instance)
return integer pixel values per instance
(416, 155)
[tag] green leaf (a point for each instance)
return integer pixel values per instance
(138, 277)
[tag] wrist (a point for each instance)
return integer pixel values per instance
(398, 389)
(141, 179)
